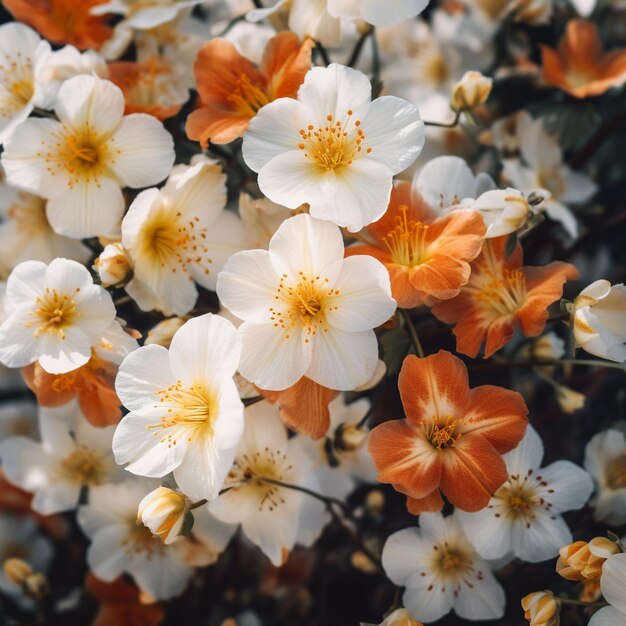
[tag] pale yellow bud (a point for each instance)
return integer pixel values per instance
(349, 437)
(113, 265)
(375, 501)
(17, 571)
(164, 331)
(472, 90)
(541, 608)
(400, 617)
(569, 400)
(165, 512)
(504, 211)
(363, 563)
(36, 585)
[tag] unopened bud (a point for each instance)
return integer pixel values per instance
(363, 563)
(569, 400)
(472, 90)
(349, 437)
(113, 265)
(400, 617)
(166, 513)
(16, 571)
(164, 331)
(36, 585)
(504, 211)
(541, 608)
(583, 561)
(375, 502)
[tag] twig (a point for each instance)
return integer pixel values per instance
(414, 338)
(322, 51)
(358, 48)
(451, 124)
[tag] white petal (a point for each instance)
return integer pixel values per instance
(484, 600)
(569, 486)
(55, 498)
(445, 181)
(163, 579)
(391, 11)
(24, 463)
(608, 616)
(26, 283)
(613, 581)
(427, 605)
(60, 355)
(106, 556)
(229, 423)
(542, 539)
(527, 455)
(18, 344)
(490, 535)
(403, 553)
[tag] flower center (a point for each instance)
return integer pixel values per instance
(334, 146)
(140, 539)
(505, 295)
(520, 495)
(248, 98)
(191, 410)
(615, 473)
(82, 467)
(53, 313)
(407, 241)
(452, 561)
(442, 435)
(16, 76)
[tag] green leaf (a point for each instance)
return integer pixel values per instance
(396, 344)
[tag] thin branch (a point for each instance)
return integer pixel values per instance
(451, 124)
(414, 337)
(358, 48)
(544, 362)
(323, 53)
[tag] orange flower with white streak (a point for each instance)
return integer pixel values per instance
(427, 257)
(232, 89)
(452, 439)
(502, 295)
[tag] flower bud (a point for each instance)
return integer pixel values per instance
(164, 331)
(472, 90)
(583, 561)
(17, 571)
(375, 502)
(349, 437)
(569, 400)
(36, 585)
(113, 265)
(166, 513)
(541, 608)
(504, 211)
(400, 617)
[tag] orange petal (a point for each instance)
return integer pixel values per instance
(285, 63)
(440, 277)
(51, 389)
(432, 503)
(499, 333)
(473, 471)
(304, 406)
(434, 386)
(404, 458)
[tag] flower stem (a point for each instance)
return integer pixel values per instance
(590, 605)
(414, 337)
(451, 124)
(198, 504)
(358, 48)
(322, 52)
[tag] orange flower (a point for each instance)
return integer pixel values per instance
(63, 21)
(304, 406)
(427, 257)
(146, 87)
(500, 296)
(93, 384)
(232, 89)
(452, 439)
(579, 66)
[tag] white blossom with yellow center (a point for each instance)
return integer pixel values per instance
(185, 413)
(81, 162)
(385, 13)
(523, 518)
(441, 571)
(307, 311)
(55, 316)
(333, 147)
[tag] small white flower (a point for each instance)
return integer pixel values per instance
(599, 320)
(375, 12)
(268, 513)
(113, 265)
(72, 454)
(260, 219)
(441, 571)
(185, 413)
(164, 511)
(523, 518)
(612, 584)
(307, 311)
(605, 460)
(120, 545)
(504, 211)
(333, 147)
(80, 163)
(23, 54)
(179, 235)
(55, 315)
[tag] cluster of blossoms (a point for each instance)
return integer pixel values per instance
(269, 320)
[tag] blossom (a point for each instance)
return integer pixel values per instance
(232, 89)
(185, 413)
(23, 54)
(599, 320)
(504, 211)
(164, 511)
(72, 455)
(427, 257)
(502, 295)
(452, 439)
(268, 512)
(179, 235)
(523, 518)
(63, 21)
(612, 583)
(375, 13)
(541, 608)
(306, 310)
(583, 561)
(579, 66)
(113, 265)
(471, 91)
(399, 617)
(333, 147)
(441, 571)
(120, 545)
(260, 219)
(605, 460)
(56, 315)
(80, 163)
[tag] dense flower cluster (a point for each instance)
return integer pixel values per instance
(296, 296)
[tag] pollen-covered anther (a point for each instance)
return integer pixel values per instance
(407, 242)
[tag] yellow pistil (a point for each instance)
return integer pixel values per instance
(520, 496)
(615, 473)
(407, 243)
(442, 435)
(248, 97)
(451, 562)
(23, 90)
(54, 313)
(335, 145)
(505, 295)
(82, 467)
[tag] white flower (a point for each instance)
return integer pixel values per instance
(120, 545)
(55, 315)
(307, 311)
(599, 320)
(612, 584)
(113, 265)
(375, 12)
(441, 571)
(22, 56)
(80, 163)
(260, 219)
(185, 413)
(164, 511)
(268, 513)
(584, 7)
(72, 454)
(504, 211)
(333, 147)
(179, 235)
(605, 460)
(18, 418)
(523, 518)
